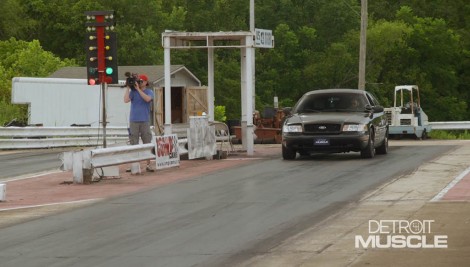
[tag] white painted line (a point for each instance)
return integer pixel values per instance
(52, 204)
(29, 176)
(235, 159)
(446, 189)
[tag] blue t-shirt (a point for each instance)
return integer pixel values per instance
(140, 110)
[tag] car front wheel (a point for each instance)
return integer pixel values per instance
(369, 151)
(288, 153)
(383, 148)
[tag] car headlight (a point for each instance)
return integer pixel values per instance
(354, 128)
(295, 128)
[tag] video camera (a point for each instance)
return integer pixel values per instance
(132, 79)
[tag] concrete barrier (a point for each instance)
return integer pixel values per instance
(3, 192)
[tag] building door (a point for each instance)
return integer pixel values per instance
(177, 105)
(195, 101)
(185, 102)
(158, 110)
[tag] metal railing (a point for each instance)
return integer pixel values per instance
(450, 125)
(82, 163)
(50, 137)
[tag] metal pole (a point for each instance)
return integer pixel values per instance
(253, 60)
(252, 16)
(250, 51)
(167, 70)
(362, 48)
(104, 87)
(244, 96)
(210, 79)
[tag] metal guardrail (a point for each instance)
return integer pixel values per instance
(83, 160)
(49, 137)
(450, 125)
(103, 157)
(37, 131)
(82, 163)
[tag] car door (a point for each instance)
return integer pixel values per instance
(378, 119)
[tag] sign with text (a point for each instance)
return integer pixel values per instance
(264, 38)
(401, 234)
(166, 151)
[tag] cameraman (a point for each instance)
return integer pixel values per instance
(140, 96)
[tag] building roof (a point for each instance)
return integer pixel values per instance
(154, 72)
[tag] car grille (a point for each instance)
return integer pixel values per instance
(323, 128)
(388, 115)
(405, 122)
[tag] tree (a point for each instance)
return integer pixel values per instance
(12, 25)
(434, 50)
(137, 47)
(316, 44)
(23, 59)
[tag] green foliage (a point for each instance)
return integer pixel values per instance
(335, 18)
(316, 45)
(219, 113)
(450, 134)
(23, 59)
(5, 85)
(132, 52)
(9, 112)
(10, 23)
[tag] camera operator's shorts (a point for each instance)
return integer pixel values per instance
(139, 129)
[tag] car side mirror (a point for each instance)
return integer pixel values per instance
(287, 111)
(378, 109)
(374, 109)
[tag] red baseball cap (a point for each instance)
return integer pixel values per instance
(143, 77)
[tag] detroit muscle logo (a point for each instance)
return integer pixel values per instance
(400, 234)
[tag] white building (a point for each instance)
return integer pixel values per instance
(65, 98)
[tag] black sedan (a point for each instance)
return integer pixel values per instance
(335, 121)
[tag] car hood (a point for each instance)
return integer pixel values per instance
(328, 117)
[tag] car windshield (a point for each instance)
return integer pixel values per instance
(331, 102)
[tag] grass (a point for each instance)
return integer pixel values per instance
(9, 112)
(450, 134)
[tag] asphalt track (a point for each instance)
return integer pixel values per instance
(198, 214)
(20, 163)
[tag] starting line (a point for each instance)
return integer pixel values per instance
(446, 189)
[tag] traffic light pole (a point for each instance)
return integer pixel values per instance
(104, 87)
(101, 71)
(105, 50)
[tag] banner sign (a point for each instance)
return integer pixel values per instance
(166, 151)
(201, 138)
(201, 142)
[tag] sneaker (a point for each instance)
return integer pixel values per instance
(149, 169)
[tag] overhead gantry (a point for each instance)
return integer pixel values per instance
(211, 40)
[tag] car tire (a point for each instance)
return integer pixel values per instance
(383, 148)
(369, 151)
(288, 153)
(424, 136)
